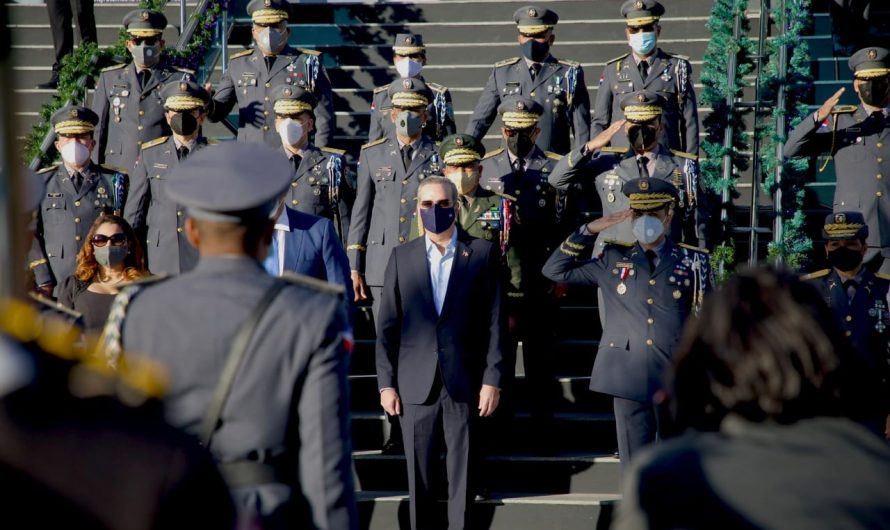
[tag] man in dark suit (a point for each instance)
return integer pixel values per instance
(438, 346)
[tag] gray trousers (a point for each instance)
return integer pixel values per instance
(637, 425)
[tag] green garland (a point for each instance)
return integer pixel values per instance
(796, 19)
(716, 80)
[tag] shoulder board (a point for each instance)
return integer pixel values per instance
(507, 62)
(696, 249)
(241, 54)
(212, 141)
(620, 150)
(618, 242)
(504, 195)
(553, 156)
(380, 89)
(568, 62)
(313, 283)
(678, 56)
(116, 169)
(816, 274)
(307, 51)
(882, 276)
(114, 67)
(156, 141)
(843, 109)
(154, 278)
(496, 152)
(617, 58)
(375, 142)
(437, 87)
(340, 152)
(48, 169)
(56, 306)
(684, 155)
(186, 70)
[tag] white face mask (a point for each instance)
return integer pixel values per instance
(647, 229)
(75, 154)
(290, 131)
(408, 68)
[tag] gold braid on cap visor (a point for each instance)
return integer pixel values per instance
(534, 30)
(268, 16)
(649, 201)
(183, 103)
(520, 120)
(291, 106)
(642, 112)
(844, 230)
(641, 21)
(461, 156)
(408, 50)
(871, 73)
(409, 100)
(74, 127)
(144, 32)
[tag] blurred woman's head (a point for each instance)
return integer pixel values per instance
(111, 244)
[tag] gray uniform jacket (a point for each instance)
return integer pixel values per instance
(151, 211)
(288, 406)
(386, 198)
(646, 308)
(559, 87)
(861, 151)
(249, 83)
(129, 115)
(608, 170)
(65, 216)
(670, 76)
(440, 125)
(311, 189)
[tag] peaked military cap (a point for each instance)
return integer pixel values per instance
(532, 20)
(870, 62)
(267, 11)
(409, 94)
(233, 182)
(290, 100)
(459, 149)
(74, 120)
(518, 112)
(144, 23)
(641, 12)
(408, 44)
(642, 106)
(647, 194)
(844, 225)
(184, 94)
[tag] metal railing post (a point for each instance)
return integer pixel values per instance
(778, 229)
(731, 66)
(181, 16)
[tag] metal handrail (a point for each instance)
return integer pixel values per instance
(729, 132)
(778, 229)
(755, 148)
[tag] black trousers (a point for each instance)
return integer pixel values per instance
(60, 17)
(637, 425)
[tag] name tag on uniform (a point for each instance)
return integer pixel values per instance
(160, 166)
(624, 265)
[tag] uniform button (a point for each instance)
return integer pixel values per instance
(649, 342)
(266, 98)
(295, 202)
(76, 203)
(158, 176)
(179, 230)
(265, 113)
(880, 159)
(402, 219)
(879, 176)
(611, 344)
(848, 333)
(142, 113)
(650, 301)
(265, 127)
(268, 85)
(650, 321)
(532, 94)
(652, 281)
(401, 239)
(139, 128)
(405, 182)
(849, 318)
(77, 219)
(179, 213)
(879, 145)
(293, 184)
(879, 194)
(403, 201)
(77, 238)
(139, 142)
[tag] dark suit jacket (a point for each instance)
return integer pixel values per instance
(463, 343)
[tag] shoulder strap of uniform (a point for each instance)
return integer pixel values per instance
(242, 54)
(55, 306)
(184, 70)
(843, 109)
(145, 280)
(116, 169)
(620, 57)
(569, 62)
(437, 87)
(618, 242)
(496, 152)
(816, 274)
(156, 141)
(697, 249)
(114, 67)
(47, 169)
(507, 62)
(313, 283)
(684, 155)
(372, 144)
(619, 150)
(552, 156)
(340, 152)
(882, 276)
(383, 88)
(678, 56)
(307, 51)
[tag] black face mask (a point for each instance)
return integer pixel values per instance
(184, 124)
(641, 136)
(520, 144)
(534, 50)
(874, 91)
(844, 259)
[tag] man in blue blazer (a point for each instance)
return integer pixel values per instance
(439, 347)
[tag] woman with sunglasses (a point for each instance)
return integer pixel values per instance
(113, 256)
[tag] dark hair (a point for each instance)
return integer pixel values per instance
(134, 263)
(765, 347)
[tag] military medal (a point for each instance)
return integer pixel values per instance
(878, 311)
(622, 287)
(611, 197)
(677, 294)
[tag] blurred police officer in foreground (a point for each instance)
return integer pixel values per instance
(556, 85)
(264, 382)
(149, 210)
(409, 58)
(77, 192)
(128, 97)
(650, 287)
(856, 137)
(253, 73)
(649, 68)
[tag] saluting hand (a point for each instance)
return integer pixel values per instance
(209, 88)
(597, 226)
(359, 287)
(489, 397)
(389, 400)
(829, 104)
(605, 137)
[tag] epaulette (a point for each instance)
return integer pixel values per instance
(114, 67)
(55, 306)
(684, 155)
(568, 62)
(620, 150)
(697, 249)
(340, 152)
(618, 242)
(154, 278)
(156, 141)
(620, 57)
(490, 154)
(678, 56)
(437, 87)
(504, 195)
(47, 169)
(380, 89)
(116, 169)
(372, 144)
(307, 51)
(843, 109)
(313, 283)
(882, 276)
(507, 62)
(241, 54)
(553, 156)
(816, 274)
(185, 70)
(212, 141)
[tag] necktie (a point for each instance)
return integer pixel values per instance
(143, 78)
(183, 152)
(270, 60)
(406, 156)
(534, 69)
(520, 166)
(643, 162)
(296, 159)
(644, 70)
(77, 180)
(651, 256)
(850, 288)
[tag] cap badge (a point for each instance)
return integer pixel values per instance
(520, 105)
(145, 15)
(459, 141)
(287, 91)
(840, 218)
(641, 98)
(644, 185)
(72, 113)
(638, 4)
(406, 83)
(267, 3)
(532, 13)
(872, 54)
(409, 40)
(183, 87)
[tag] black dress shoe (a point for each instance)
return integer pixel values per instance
(393, 447)
(52, 84)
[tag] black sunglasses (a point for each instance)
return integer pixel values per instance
(117, 240)
(444, 203)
